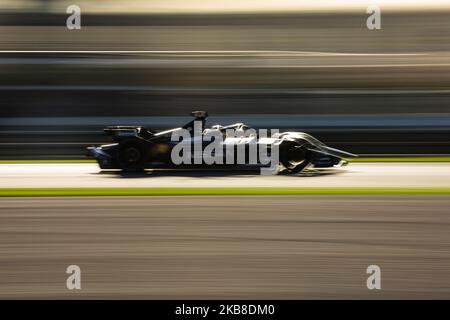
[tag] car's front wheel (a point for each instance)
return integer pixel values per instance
(294, 156)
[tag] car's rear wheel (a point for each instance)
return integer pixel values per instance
(133, 155)
(294, 156)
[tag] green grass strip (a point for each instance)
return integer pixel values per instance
(70, 192)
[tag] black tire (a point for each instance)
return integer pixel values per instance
(133, 155)
(294, 156)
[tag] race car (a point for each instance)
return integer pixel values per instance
(136, 148)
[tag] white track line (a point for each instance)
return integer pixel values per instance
(355, 175)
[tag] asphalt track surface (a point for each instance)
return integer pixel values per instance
(225, 247)
(419, 175)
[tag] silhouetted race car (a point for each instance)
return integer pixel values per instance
(137, 148)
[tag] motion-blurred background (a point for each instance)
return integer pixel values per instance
(300, 65)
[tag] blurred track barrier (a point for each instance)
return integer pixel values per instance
(224, 70)
(332, 31)
(367, 92)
